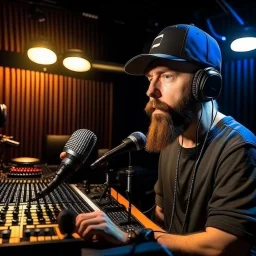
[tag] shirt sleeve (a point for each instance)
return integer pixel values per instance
(232, 207)
(158, 197)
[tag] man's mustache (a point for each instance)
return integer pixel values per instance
(154, 104)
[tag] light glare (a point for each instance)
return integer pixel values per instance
(42, 55)
(244, 44)
(76, 64)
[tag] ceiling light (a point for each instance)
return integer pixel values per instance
(42, 52)
(75, 60)
(244, 40)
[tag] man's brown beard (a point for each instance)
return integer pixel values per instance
(167, 126)
(159, 133)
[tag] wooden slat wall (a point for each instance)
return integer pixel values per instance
(238, 94)
(41, 103)
(239, 72)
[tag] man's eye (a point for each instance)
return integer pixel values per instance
(167, 76)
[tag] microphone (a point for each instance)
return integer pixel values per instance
(11, 142)
(67, 222)
(78, 148)
(8, 140)
(135, 141)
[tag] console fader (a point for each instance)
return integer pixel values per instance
(24, 221)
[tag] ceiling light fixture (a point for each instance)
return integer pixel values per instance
(75, 60)
(244, 40)
(42, 52)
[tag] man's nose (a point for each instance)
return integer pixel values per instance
(153, 90)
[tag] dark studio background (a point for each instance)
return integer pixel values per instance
(109, 103)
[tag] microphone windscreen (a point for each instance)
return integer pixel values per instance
(66, 221)
(81, 142)
(139, 139)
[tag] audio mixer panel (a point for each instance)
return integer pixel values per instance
(22, 221)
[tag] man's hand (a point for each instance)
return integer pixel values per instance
(97, 225)
(63, 155)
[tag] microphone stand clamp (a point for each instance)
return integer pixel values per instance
(106, 194)
(129, 173)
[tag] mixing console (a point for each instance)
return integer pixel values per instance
(24, 221)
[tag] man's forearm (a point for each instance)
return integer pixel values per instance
(211, 242)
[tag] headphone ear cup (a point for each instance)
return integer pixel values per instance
(207, 84)
(196, 83)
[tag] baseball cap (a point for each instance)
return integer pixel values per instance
(183, 46)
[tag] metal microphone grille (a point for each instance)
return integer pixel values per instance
(82, 141)
(139, 139)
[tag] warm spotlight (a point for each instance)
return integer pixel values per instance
(75, 60)
(42, 52)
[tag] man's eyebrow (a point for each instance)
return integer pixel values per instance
(159, 72)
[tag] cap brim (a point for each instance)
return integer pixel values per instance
(139, 64)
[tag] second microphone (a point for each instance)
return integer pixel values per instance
(134, 142)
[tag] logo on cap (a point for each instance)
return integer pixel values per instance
(157, 41)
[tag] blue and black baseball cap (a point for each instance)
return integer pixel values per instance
(183, 46)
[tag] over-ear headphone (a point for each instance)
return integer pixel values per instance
(206, 84)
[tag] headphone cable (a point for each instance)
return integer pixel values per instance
(196, 167)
